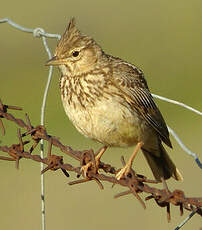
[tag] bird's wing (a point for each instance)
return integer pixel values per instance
(132, 83)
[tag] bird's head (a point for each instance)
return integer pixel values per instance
(75, 53)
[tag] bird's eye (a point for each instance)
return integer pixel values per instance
(75, 53)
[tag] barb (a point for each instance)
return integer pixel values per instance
(135, 183)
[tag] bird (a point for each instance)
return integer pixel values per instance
(108, 100)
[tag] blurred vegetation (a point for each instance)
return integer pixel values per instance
(161, 37)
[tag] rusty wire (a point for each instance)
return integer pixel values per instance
(136, 184)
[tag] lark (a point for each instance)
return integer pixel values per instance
(108, 100)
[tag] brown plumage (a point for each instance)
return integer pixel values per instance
(108, 100)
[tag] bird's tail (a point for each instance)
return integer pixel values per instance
(161, 164)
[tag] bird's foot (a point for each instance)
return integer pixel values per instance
(125, 171)
(93, 164)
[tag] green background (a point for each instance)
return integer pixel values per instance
(164, 39)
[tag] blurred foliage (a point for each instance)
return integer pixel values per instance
(161, 37)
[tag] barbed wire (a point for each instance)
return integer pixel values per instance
(39, 32)
(136, 183)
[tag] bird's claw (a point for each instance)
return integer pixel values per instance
(86, 168)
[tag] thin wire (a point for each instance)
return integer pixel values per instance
(43, 107)
(177, 103)
(28, 30)
(185, 220)
(182, 145)
(173, 133)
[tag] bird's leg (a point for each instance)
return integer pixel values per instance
(126, 169)
(95, 162)
(99, 155)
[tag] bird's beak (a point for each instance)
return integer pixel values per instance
(55, 61)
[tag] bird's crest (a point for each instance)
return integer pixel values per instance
(71, 30)
(72, 38)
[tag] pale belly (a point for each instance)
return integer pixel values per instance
(109, 123)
